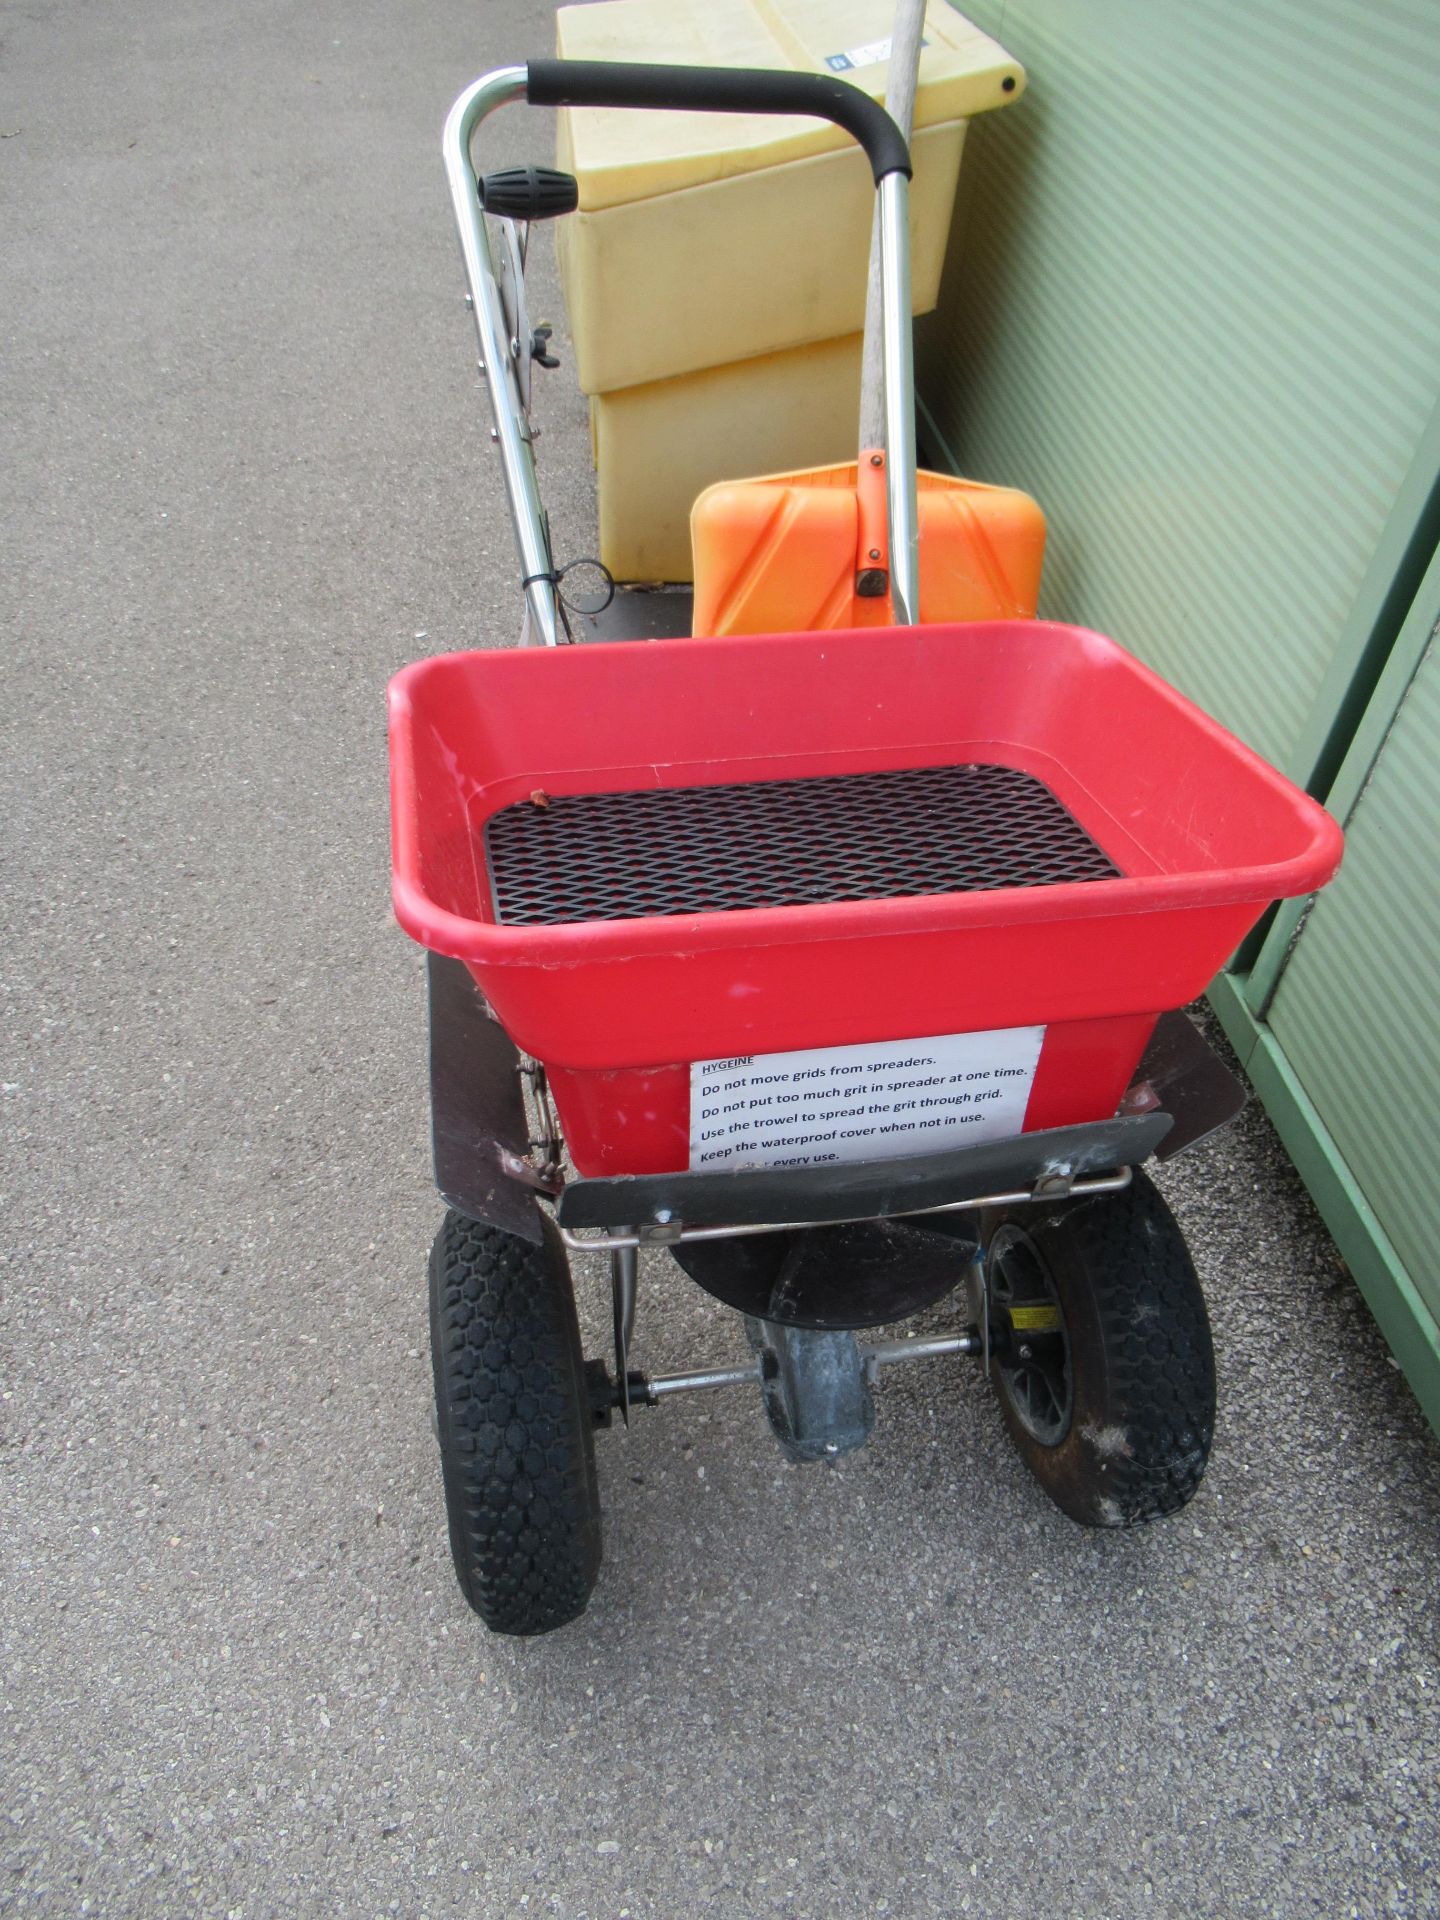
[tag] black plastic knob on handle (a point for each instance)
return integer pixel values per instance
(623, 83)
(528, 193)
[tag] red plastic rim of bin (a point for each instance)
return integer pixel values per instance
(567, 702)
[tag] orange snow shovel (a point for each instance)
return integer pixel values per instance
(808, 551)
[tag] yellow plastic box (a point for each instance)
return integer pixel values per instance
(707, 238)
(658, 446)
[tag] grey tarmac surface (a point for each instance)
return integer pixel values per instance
(246, 476)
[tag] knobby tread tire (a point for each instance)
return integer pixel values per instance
(1142, 1363)
(517, 1449)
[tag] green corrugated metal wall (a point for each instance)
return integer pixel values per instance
(1356, 1009)
(1194, 307)
(1196, 312)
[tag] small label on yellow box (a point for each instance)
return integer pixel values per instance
(869, 55)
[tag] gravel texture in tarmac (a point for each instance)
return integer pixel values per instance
(246, 477)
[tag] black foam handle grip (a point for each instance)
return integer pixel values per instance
(625, 83)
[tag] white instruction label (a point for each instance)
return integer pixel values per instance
(870, 55)
(824, 1106)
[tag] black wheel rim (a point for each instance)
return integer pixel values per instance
(1029, 1340)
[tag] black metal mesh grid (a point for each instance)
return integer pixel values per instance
(782, 843)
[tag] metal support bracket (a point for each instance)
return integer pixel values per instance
(624, 1291)
(1056, 1183)
(543, 1179)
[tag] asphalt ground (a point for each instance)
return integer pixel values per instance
(246, 476)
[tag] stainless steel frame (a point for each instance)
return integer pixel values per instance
(500, 356)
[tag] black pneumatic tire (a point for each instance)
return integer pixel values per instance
(1125, 1435)
(517, 1447)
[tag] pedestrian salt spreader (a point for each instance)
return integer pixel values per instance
(843, 965)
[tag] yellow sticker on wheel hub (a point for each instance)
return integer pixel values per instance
(1035, 1319)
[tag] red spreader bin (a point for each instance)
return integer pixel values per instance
(651, 854)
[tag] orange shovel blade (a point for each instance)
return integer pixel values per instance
(782, 554)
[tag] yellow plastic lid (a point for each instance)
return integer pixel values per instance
(619, 157)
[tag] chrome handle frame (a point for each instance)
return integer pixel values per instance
(898, 357)
(511, 432)
(512, 436)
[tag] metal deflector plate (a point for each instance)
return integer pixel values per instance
(476, 1107)
(872, 1190)
(1189, 1080)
